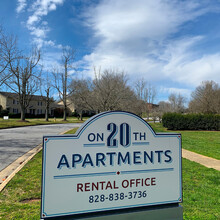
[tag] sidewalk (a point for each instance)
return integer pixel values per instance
(203, 160)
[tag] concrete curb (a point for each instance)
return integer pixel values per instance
(9, 172)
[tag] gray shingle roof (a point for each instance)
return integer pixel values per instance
(15, 96)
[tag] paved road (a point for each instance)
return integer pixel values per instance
(14, 142)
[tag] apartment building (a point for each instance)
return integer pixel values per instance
(10, 101)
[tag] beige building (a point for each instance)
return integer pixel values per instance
(70, 106)
(9, 101)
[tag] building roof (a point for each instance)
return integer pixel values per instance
(15, 96)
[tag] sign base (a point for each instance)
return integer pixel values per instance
(165, 212)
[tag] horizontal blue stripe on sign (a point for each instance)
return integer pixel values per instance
(84, 175)
(112, 173)
(94, 145)
(141, 143)
(147, 171)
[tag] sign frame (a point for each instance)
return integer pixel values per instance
(109, 210)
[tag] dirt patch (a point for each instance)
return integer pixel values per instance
(30, 200)
(23, 121)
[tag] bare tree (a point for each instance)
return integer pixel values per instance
(25, 76)
(177, 102)
(111, 90)
(82, 96)
(47, 87)
(150, 93)
(206, 98)
(8, 52)
(140, 86)
(165, 107)
(62, 78)
(146, 92)
(108, 91)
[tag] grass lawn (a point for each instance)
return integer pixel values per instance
(16, 123)
(201, 192)
(202, 142)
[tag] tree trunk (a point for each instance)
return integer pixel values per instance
(46, 113)
(22, 113)
(81, 115)
(47, 106)
(64, 113)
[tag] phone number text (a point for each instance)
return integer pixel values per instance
(117, 196)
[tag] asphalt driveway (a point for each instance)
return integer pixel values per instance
(14, 142)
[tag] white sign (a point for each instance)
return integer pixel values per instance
(115, 161)
(5, 117)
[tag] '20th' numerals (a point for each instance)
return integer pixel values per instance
(124, 135)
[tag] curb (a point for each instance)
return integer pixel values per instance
(6, 175)
(9, 172)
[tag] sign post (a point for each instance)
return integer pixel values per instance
(115, 162)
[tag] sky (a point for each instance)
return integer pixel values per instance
(172, 44)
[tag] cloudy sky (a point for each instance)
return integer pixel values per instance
(172, 44)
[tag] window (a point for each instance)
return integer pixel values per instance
(15, 110)
(15, 102)
(39, 111)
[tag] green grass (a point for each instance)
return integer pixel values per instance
(158, 127)
(201, 194)
(72, 131)
(16, 123)
(202, 142)
(201, 191)
(25, 185)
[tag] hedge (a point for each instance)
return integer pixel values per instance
(175, 121)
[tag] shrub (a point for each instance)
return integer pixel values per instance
(4, 113)
(175, 121)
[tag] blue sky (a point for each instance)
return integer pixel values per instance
(174, 45)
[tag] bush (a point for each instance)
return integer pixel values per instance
(4, 113)
(12, 115)
(175, 121)
(27, 115)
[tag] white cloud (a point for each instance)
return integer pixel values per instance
(137, 37)
(43, 7)
(39, 32)
(195, 71)
(21, 6)
(142, 38)
(184, 92)
(52, 7)
(35, 23)
(32, 19)
(117, 21)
